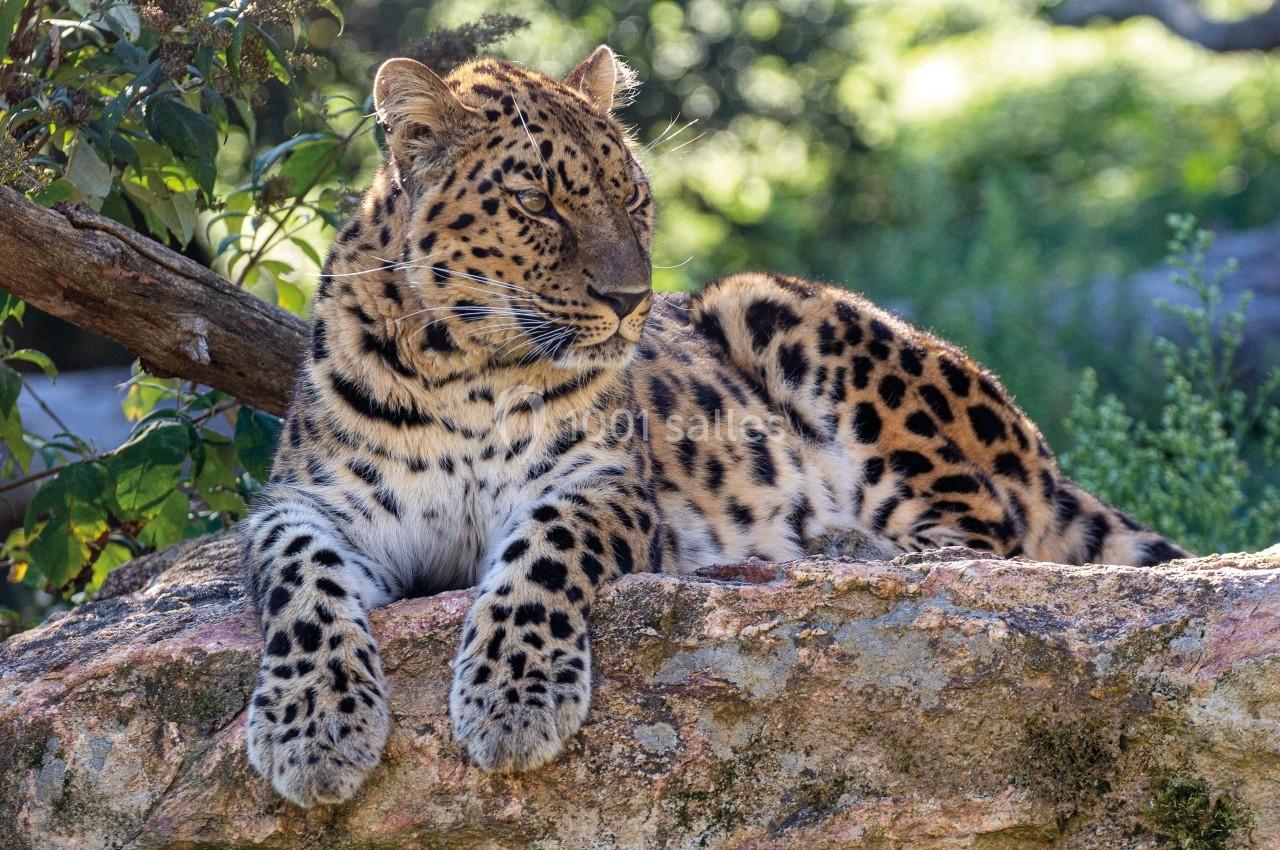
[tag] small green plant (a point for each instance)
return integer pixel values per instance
(1186, 813)
(1065, 762)
(1192, 474)
(194, 459)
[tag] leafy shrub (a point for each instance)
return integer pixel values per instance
(1192, 474)
(124, 107)
(192, 462)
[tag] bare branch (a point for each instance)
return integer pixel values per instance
(181, 318)
(1184, 18)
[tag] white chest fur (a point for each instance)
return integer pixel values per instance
(447, 518)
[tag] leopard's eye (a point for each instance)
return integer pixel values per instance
(534, 201)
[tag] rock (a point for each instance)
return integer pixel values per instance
(938, 701)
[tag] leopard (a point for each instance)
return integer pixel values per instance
(495, 397)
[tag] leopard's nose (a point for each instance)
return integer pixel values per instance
(623, 303)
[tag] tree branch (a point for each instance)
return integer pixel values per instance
(1183, 18)
(181, 318)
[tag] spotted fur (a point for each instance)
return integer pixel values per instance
(487, 401)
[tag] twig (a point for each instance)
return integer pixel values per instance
(48, 411)
(339, 150)
(101, 456)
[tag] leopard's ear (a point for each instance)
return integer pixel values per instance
(606, 80)
(418, 111)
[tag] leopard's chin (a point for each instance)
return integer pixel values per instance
(613, 351)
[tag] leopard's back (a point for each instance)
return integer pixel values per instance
(786, 415)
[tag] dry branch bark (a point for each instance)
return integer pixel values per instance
(943, 700)
(1184, 18)
(181, 318)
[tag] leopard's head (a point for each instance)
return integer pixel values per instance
(531, 220)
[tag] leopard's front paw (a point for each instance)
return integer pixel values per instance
(317, 727)
(514, 707)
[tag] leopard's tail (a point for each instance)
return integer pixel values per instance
(1081, 528)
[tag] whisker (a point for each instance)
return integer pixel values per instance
(481, 279)
(477, 308)
(495, 314)
(507, 304)
(681, 145)
(536, 150)
(663, 134)
(418, 263)
(685, 261)
(506, 314)
(519, 320)
(498, 329)
(536, 336)
(463, 288)
(667, 137)
(391, 265)
(549, 341)
(525, 337)
(670, 302)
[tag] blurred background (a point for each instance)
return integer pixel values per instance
(999, 171)
(986, 173)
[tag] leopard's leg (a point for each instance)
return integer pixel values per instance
(522, 678)
(318, 715)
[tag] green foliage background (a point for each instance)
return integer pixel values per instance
(961, 161)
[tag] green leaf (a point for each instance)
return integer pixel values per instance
(75, 493)
(235, 50)
(332, 8)
(192, 137)
(11, 307)
(123, 20)
(88, 173)
(170, 522)
(9, 12)
(145, 392)
(216, 480)
(56, 553)
(165, 210)
(256, 436)
(291, 297)
(10, 387)
(76, 515)
(280, 59)
(11, 437)
(114, 207)
(58, 192)
(36, 358)
(270, 157)
(148, 468)
(178, 212)
(227, 241)
(112, 556)
(310, 165)
(307, 248)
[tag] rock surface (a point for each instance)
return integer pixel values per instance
(939, 701)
